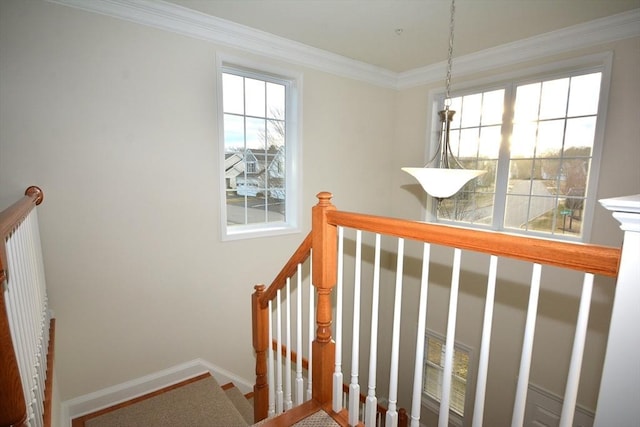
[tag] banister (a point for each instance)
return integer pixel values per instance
(12, 217)
(13, 411)
(299, 256)
(589, 258)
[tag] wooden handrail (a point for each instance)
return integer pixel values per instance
(12, 217)
(13, 411)
(299, 256)
(588, 258)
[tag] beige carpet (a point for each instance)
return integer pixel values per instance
(199, 404)
(319, 419)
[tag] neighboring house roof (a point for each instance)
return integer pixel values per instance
(271, 160)
(233, 165)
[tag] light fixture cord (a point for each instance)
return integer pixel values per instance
(447, 96)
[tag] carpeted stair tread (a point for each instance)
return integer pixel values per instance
(240, 402)
(202, 403)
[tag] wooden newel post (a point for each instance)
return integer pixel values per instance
(260, 330)
(324, 279)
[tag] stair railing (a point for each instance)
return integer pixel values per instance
(26, 329)
(264, 397)
(326, 273)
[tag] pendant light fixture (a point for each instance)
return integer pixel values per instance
(447, 176)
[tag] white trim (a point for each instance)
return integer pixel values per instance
(119, 393)
(293, 151)
(552, 405)
(178, 19)
(599, 31)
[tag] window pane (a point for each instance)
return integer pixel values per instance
(553, 101)
(580, 135)
(527, 103)
(468, 147)
(550, 137)
(233, 94)
(233, 132)
(256, 136)
(490, 140)
(471, 109)
(575, 173)
(275, 101)
(523, 140)
(585, 94)
(492, 107)
(275, 133)
(255, 93)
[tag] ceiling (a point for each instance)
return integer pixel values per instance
(401, 35)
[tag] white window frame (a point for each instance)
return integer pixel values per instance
(600, 62)
(293, 156)
(432, 403)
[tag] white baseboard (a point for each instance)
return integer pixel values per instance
(119, 393)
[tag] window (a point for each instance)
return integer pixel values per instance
(433, 376)
(259, 152)
(538, 141)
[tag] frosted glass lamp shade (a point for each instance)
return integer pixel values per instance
(442, 183)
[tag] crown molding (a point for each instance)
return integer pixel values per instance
(178, 19)
(174, 18)
(593, 33)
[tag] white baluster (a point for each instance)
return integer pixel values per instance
(299, 380)
(527, 349)
(354, 387)
(573, 378)
(416, 403)
(392, 411)
(443, 416)
(337, 374)
(279, 393)
(288, 404)
(371, 408)
(483, 363)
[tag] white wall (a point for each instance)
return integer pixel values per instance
(117, 124)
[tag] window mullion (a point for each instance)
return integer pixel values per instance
(502, 174)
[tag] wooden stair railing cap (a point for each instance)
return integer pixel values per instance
(324, 198)
(35, 191)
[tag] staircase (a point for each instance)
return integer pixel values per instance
(197, 402)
